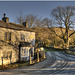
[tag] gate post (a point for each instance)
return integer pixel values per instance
(30, 59)
(37, 56)
(2, 64)
(44, 55)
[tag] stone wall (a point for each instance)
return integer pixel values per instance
(16, 35)
(5, 51)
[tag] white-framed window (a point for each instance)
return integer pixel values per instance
(24, 52)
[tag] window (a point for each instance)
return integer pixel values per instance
(24, 52)
(5, 55)
(8, 36)
(22, 37)
(5, 36)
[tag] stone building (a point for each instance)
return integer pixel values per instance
(11, 38)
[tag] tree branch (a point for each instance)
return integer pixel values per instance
(72, 33)
(56, 33)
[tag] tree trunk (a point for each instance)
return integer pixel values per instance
(66, 41)
(66, 44)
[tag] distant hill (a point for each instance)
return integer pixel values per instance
(47, 36)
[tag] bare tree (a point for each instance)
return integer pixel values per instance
(46, 22)
(63, 18)
(38, 22)
(20, 18)
(28, 18)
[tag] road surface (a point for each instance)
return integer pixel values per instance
(55, 63)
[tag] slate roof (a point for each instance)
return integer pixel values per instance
(14, 26)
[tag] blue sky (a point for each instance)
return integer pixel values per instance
(40, 8)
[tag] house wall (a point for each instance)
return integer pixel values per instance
(15, 39)
(4, 51)
(16, 35)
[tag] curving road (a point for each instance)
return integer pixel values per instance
(55, 63)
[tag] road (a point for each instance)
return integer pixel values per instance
(55, 63)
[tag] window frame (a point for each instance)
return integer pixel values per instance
(7, 36)
(7, 54)
(22, 37)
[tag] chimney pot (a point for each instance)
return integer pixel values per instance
(5, 19)
(4, 14)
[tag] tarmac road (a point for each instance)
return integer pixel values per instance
(55, 63)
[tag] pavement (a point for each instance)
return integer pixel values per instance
(58, 63)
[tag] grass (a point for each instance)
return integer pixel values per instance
(46, 50)
(14, 65)
(52, 49)
(70, 52)
(23, 64)
(0, 67)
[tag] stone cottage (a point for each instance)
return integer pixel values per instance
(16, 41)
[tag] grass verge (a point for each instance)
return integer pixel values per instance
(14, 65)
(52, 49)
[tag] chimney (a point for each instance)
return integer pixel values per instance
(25, 24)
(5, 19)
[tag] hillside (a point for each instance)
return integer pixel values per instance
(48, 38)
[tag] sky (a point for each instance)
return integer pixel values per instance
(40, 8)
